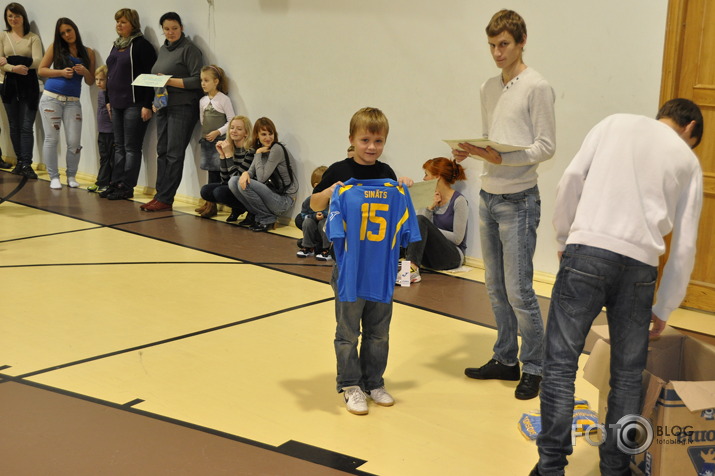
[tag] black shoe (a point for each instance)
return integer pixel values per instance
(528, 387)
(121, 192)
(18, 169)
(28, 172)
(235, 213)
(249, 221)
(105, 193)
(494, 370)
(5, 165)
(260, 227)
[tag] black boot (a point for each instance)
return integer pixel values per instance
(235, 213)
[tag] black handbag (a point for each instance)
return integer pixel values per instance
(275, 181)
(24, 88)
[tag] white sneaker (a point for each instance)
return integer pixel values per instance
(355, 400)
(305, 252)
(55, 184)
(72, 182)
(381, 397)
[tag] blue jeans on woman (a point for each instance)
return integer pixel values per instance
(21, 120)
(260, 200)
(54, 114)
(366, 368)
(129, 130)
(174, 127)
(590, 278)
(507, 228)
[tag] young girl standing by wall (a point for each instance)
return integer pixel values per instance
(70, 62)
(215, 110)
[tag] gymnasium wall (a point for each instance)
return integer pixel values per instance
(310, 64)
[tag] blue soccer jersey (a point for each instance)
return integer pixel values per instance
(369, 221)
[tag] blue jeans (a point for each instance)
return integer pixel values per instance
(174, 127)
(590, 278)
(55, 113)
(507, 228)
(366, 369)
(260, 200)
(21, 120)
(129, 130)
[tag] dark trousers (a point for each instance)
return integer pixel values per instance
(105, 144)
(589, 279)
(21, 119)
(174, 127)
(129, 130)
(220, 193)
(434, 250)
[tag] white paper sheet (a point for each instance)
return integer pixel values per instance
(151, 80)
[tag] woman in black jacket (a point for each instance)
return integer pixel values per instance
(130, 106)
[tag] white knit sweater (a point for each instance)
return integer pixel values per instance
(633, 181)
(518, 113)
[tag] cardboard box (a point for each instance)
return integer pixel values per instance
(678, 401)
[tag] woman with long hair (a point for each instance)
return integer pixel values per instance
(268, 188)
(235, 157)
(66, 63)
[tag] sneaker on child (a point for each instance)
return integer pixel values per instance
(355, 400)
(305, 252)
(381, 397)
(323, 255)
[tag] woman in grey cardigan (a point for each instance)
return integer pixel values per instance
(175, 120)
(268, 188)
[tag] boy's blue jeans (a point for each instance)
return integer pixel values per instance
(590, 278)
(507, 228)
(366, 368)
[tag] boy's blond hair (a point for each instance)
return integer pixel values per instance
(101, 70)
(370, 119)
(317, 175)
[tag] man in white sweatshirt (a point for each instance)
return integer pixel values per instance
(633, 181)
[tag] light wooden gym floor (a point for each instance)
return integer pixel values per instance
(162, 343)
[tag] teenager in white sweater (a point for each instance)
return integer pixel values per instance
(633, 181)
(517, 109)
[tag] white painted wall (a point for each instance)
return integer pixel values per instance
(310, 64)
